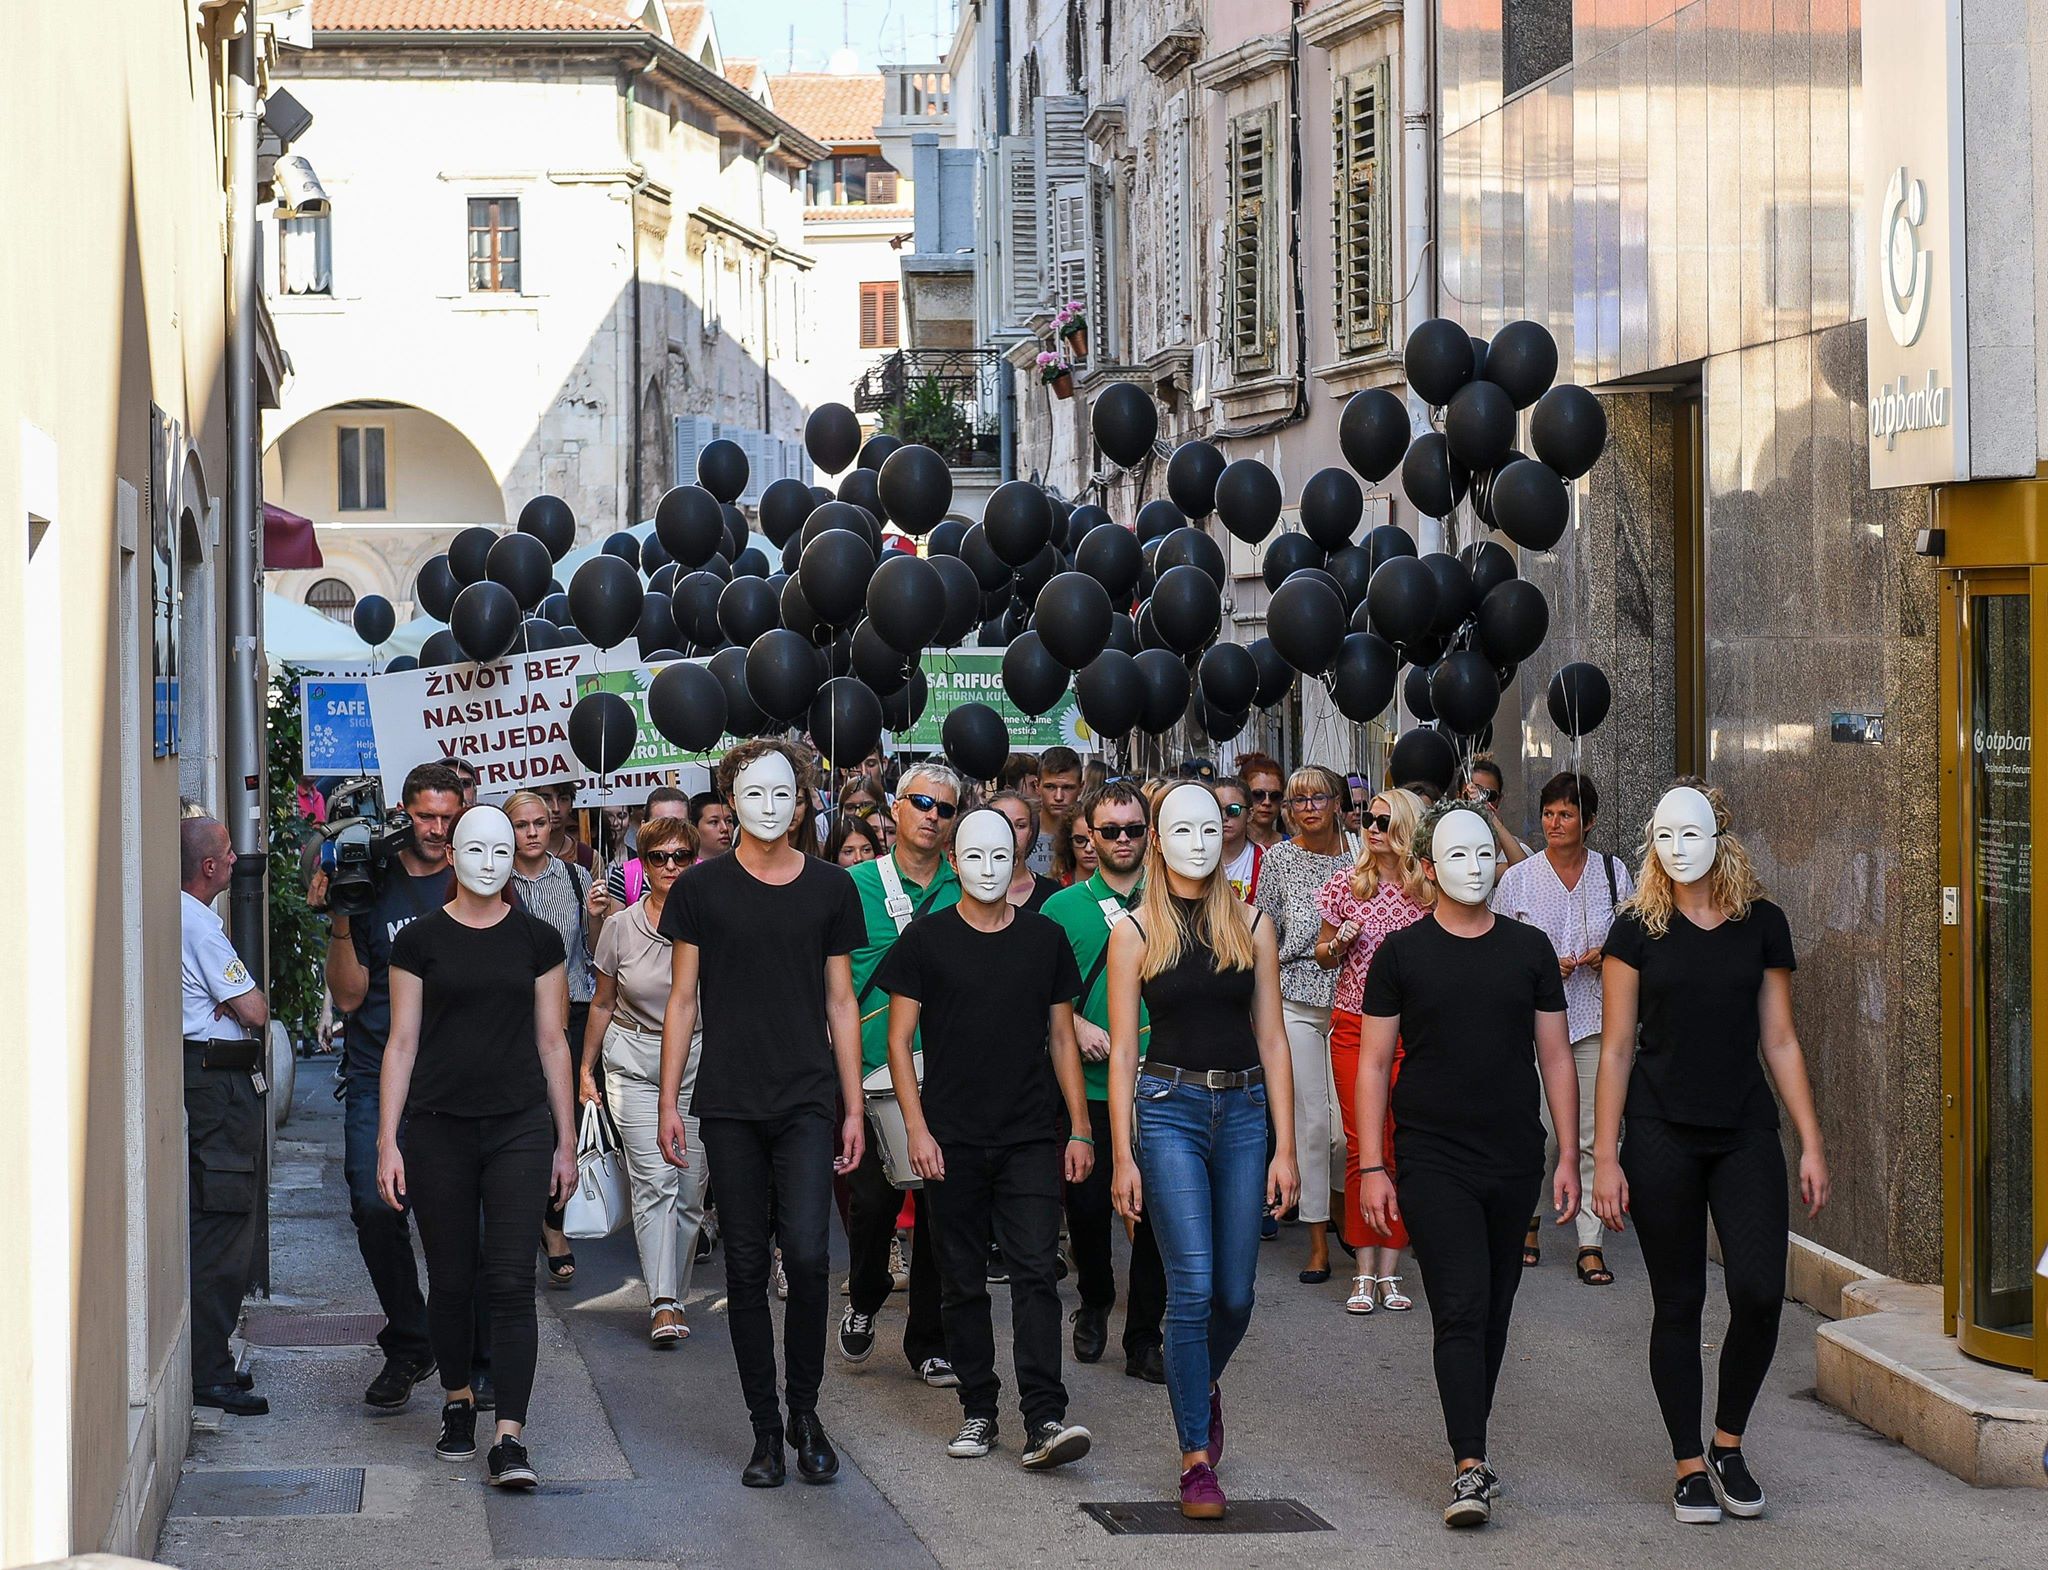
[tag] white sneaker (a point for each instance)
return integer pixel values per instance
(779, 1279)
(1360, 1301)
(899, 1267)
(1392, 1298)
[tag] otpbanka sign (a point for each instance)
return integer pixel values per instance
(1913, 218)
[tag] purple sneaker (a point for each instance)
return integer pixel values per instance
(1215, 1426)
(1201, 1496)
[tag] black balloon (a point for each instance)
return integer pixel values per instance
(656, 628)
(976, 740)
(1289, 554)
(1578, 698)
(1062, 514)
(840, 515)
(1490, 565)
(1035, 574)
(556, 609)
(373, 619)
(1479, 425)
(1386, 542)
(1512, 621)
(440, 649)
(1431, 479)
(1157, 519)
(874, 662)
(521, 563)
(1464, 691)
(902, 708)
(604, 600)
(1305, 620)
(1188, 546)
(691, 525)
(401, 662)
(1522, 361)
(625, 545)
(1275, 674)
(747, 607)
(1438, 360)
(1219, 725)
(783, 673)
(1352, 567)
(1373, 433)
(1191, 475)
(549, 520)
(735, 531)
(1148, 629)
(1167, 687)
(906, 597)
(537, 633)
(862, 488)
(602, 731)
(1331, 505)
(750, 563)
(1362, 682)
(1083, 521)
(1248, 499)
(434, 590)
(1123, 634)
(1187, 608)
(1415, 692)
(1034, 680)
(876, 450)
(1229, 678)
(835, 570)
(1482, 488)
(722, 469)
(783, 507)
(485, 620)
(1530, 504)
(695, 601)
(1423, 757)
(1113, 558)
(1111, 692)
(990, 570)
(1017, 522)
(963, 599)
(1401, 600)
(1126, 422)
(1454, 596)
(469, 551)
(1568, 428)
(846, 721)
(743, 717)
(945, 538)
(1072, 614)
(797, 614)
(916, 488)
(687, 705)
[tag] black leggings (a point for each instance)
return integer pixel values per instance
(1679, 1173)
(455, 1166)
(1466, 1228)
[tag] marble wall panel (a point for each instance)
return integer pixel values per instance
(1688, 198)
(1792, 169)
(1632, 215)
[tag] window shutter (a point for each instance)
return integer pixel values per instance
(693, 433)
(1104, 345)
(1070, 243)
(1358, 215)
(881, 187)
(870, 317)
(1171, 304)
(1062, 154)
(891, 328)
(1023, 262)
(1249, 325)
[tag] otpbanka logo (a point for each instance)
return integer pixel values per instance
(1906, 281)
(2003, 741)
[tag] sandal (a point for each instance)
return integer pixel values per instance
(561, 1269)
(1392, 1298)
(665, 1325)
(1595, 1275)
(1314, 1278)
(1532, 1245)
(1360, 1301)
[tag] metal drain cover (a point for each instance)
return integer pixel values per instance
(316, 1490)
(1162, 1518)
(278, 1327)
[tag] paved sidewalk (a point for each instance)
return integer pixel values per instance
(641, 1449)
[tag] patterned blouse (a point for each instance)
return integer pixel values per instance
(1574, 920)
(1290, 878)
(1389, 910)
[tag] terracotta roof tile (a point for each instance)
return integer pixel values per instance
(476, 16)
(831, 108)
(744, 74)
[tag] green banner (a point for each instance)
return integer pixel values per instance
(958, 676)
(651, 749)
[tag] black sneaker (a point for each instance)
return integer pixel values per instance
(856, 1335)
(509, 1466)
(1741, 1494)
(392, 1388)
(1693, 1501)
(1471, 1498)
(938, 1373)
(977, 1437)
(484, 1389)
(1055, 1444)
(458, 1431)
(998, 1268)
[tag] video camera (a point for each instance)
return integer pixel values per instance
(358, 843)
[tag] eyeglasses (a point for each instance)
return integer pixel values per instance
(863, 809)
(1382, 821)
(666, 858)
(1262, 797)
(1232, 809)
(1113, 832)
(924, 803)
(1320, 799)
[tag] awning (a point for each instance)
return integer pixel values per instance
(288, 541)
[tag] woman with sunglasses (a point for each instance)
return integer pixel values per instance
(1382, 893)
(1291, 877)
(1073, 853)
(1242, 854)
(633, 968)
(1265, 785)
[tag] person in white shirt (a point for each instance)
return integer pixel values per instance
(1241, 853)
(225, 1014)
(1571, 892)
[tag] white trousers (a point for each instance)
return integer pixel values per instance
(1586, 1059)
(668, 1205)
(1308, 1049)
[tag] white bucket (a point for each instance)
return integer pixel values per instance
(886, 1126)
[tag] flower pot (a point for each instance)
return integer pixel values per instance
(1077, 340)
(1062, 385)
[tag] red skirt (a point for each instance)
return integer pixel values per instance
(1344, 1069)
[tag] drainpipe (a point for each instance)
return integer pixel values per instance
(767, 280)
(1006, 399)
(1418, 194)
(632, 200)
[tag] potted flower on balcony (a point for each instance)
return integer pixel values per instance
(1071, 328)
(1057, 372)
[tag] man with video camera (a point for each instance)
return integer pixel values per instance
(407, 879)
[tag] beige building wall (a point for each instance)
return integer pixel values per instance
(849, 252)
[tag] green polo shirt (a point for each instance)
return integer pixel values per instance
(1078, 910)
(944, 891)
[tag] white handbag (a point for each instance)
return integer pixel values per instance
(600, 1206)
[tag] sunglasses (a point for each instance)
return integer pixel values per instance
(924, 803)
(1381, 821)
(1264, 796)
(1118, 831)
(1320, 799)
(1232, 809)
(666, 858)
(864, 809)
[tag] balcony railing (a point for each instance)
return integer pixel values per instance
(945, 398)
(916, 98)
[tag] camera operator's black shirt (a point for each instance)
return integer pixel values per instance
(403, 898)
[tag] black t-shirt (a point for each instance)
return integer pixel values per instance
(1468, 1093)
(403, 898)
(761, 950)
(987, 999)
(1042, 889)
(479, 1055)
(1697, 1026)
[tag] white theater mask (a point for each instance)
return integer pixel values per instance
(1684, 834)
(1191, 831)
(1464, 857)
(483, 851)
(764, 797)
(985, 856)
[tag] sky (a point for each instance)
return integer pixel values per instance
(879, 31)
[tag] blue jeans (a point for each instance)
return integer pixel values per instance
(1202, 1155)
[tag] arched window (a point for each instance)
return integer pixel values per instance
(332, 597)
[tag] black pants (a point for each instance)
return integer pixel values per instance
(1466, 1228)
(1090, 1220)
(579, 1017)
(454, 1167)
(873, 1205)
(792, 1156)
(1678, 1174)
(1010, 1193)
(224, 1133)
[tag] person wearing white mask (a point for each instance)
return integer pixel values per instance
(1697, 980)
(1477, 1005)
(1190, 1130)
(477, 1066)
(1000, 1123)
(768, 932)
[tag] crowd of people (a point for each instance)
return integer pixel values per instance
(1192, 1009)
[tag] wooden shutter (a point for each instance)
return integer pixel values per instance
(1359, 212)
(1070, 243)
(878, 316)
(1171, 304)
(1104, 342)
(1061, 152)
(881, 187)
(1023, 270)
(1250, 325)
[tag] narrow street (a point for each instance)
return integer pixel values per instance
(641, 1450)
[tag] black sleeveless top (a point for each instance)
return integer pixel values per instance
(1201, 1017)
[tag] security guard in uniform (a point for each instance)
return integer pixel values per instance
(225, 1017)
